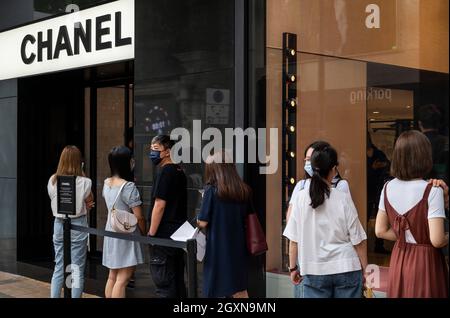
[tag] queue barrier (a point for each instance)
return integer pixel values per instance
(190, 247)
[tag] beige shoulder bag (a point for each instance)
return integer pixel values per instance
(122, 221)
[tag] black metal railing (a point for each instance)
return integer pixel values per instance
(190, 247)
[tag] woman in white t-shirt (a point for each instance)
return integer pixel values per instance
(411, 213)
(70, 164)
(337, 182)
(325, 228)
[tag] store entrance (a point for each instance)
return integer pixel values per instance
(90, 108)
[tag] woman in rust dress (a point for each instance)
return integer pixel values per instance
(411, 212)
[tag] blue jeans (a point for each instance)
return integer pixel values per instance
(78, 254)
(298, 291)
(345, 285)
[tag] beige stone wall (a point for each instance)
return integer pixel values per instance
(110, 129)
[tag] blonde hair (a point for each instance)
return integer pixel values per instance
(69, 163)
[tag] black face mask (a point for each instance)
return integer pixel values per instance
(155, 157)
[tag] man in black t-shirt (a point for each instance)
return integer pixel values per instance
(168, 213)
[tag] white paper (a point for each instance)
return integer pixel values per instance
(187, 232)
(184, 233)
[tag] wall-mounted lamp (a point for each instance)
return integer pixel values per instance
(291, 52)
(291, 78)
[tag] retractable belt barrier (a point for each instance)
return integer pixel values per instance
(190, 247)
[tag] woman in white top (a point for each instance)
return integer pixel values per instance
(70, 164)
(338, 183)
(324, 226)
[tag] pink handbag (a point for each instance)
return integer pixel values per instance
(122, 221)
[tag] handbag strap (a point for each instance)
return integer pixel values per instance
(118, 194)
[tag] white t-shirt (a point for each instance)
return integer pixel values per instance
(305, 183)
(83, 189)
(404, 195)
(326, 236)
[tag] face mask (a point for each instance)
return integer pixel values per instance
(155, 157)
(308, 168)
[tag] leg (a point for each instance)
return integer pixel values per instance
(112, 277)
(123, 277)
(317, 286)
(163, 272)
(348, 285)
(79, 252)
(58, 273)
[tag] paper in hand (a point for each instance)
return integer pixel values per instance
(188, 232)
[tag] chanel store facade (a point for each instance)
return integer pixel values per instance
(111, 72)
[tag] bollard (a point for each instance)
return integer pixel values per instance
(67, 256)
(192, 268)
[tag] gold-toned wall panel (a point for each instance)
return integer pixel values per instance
(326, 112)
(412, 33)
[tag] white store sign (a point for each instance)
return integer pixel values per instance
(98, 35)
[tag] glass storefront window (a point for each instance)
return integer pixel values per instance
(367, 73)
(184, 72)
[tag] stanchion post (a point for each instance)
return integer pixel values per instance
(192, 268)
(67, 256)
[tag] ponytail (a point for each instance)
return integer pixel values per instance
(322, 161)
(317, 191)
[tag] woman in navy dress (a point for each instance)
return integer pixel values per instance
(225, 205)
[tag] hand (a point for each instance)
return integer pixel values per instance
(90, 205)
(296, 278)
(364, 278)
(443, 185)
(150, 233)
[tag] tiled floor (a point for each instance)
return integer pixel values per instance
(14, 286)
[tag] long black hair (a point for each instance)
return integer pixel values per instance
(119, 160)
(322, 161)
(316, 145)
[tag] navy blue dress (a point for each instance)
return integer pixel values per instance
(225, 268)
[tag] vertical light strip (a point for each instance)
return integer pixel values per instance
(289, 136)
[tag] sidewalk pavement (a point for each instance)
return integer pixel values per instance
(14, 286)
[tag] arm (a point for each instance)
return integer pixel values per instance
(202, 224)
(288, 212)
(382, 227)
(293, 252)
(157, 214)
(137, 211)
(90, 201)
(438, 237)
(361, 250)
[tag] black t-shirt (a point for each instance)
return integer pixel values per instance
(171, 186)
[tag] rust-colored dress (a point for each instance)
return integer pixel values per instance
(416, 270)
